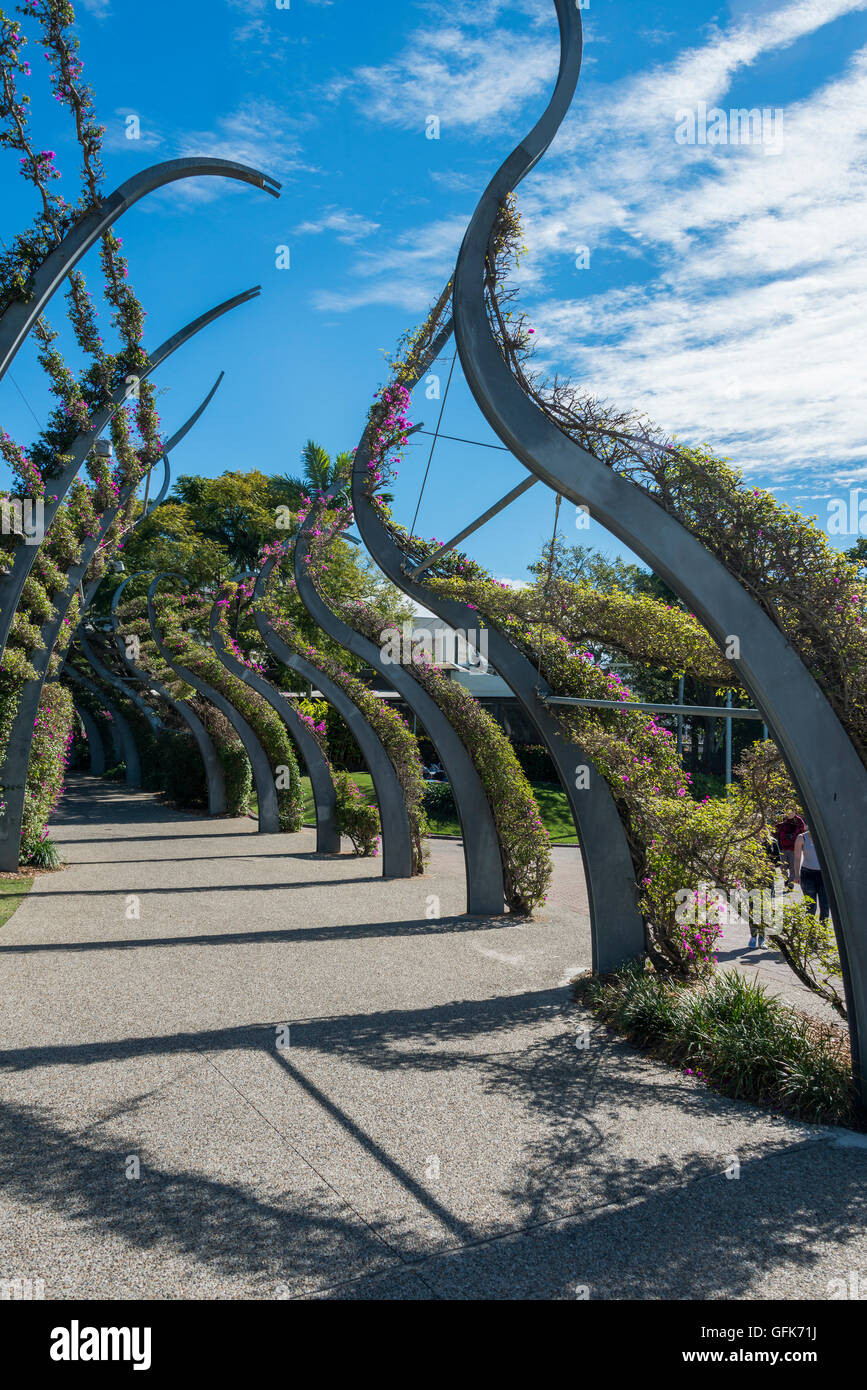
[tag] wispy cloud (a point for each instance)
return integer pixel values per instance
(259, 133)
(100, 9)
(349, 227)
(465, 78)
(408, 270)
(740, 277)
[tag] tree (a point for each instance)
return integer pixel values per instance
(212, 530)
(858, 555)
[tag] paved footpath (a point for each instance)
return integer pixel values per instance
(231, 1069)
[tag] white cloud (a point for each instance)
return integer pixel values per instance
(259, 133)
(466, 80)
(408, 270)
(741, 275)
(348, 226)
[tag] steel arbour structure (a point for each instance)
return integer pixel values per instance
(216, 782)
(264, 776)
(616, 926)
(617, 930)
(482, 861)
(123, 687)
(19, 317)
(95, 746)
(13, 581)
(830, 777)
(321, 782)
(128, 749)
(393, 817)
(16, 757)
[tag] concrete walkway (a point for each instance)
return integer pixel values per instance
(325, 1089)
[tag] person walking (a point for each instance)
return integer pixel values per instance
(808, 872)
(787, 833)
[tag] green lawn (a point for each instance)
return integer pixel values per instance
(556, 816)
(13, 891)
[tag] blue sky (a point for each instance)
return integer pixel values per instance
(726, 292)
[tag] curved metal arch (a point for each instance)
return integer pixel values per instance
(830, 777)
(16, 760)
(172, 444)
(482, 860)
(95, 746)
(263, 773)
(20, 316)
(125, 734)
(179, 434)
(616, 926)
(214, 775)
(13, 581)
(322, 785)
(108, 677)
(393, 817)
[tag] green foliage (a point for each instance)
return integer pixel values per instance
(356, 818)
(49, 751)
(238, 776)
(810, 949)
(439, 801)
(732, 1034)
(536, 762)
(581, 564)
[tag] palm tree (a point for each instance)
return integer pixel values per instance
(320, 472)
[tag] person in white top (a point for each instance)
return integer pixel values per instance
(808, 872)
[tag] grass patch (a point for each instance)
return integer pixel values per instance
(732, 1034)
(13, 891)
(553, 806)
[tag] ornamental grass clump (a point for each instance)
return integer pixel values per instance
(745, 1042)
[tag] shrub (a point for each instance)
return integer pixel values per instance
(238, 776)
(342, 745)
(536, 762)
(356, 818)
(809, 947)
(439, 801)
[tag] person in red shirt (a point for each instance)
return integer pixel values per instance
(787, 833)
